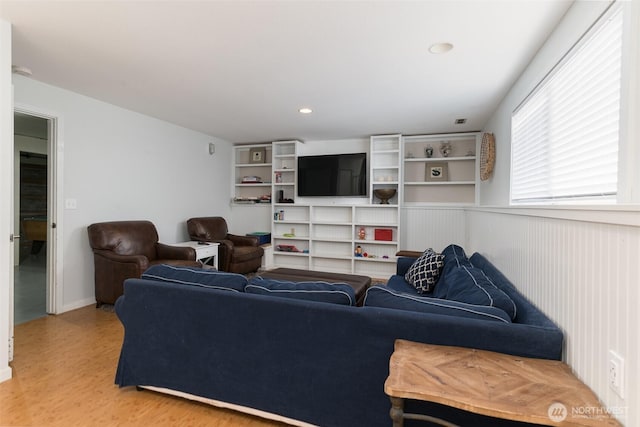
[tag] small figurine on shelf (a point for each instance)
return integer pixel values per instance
(428, 152)
(445, 149)
(358, 251)
(362, 233)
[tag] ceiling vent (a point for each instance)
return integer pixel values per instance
(460, 121)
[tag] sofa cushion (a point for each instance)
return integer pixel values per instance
(196, 277)
(454, 257)
(425, 271)
(471, 285)
(335, 293)
(382, 296)
(399, 284)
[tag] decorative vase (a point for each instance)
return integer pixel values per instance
(445, 149)
(384, 194)
(428, 151)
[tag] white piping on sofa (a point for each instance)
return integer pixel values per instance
(226, 405)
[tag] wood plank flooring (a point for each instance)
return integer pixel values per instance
(63, 375)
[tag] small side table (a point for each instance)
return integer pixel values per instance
(267, 259)
(498, 385)
(205, 251)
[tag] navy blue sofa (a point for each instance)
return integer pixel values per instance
(311, 362)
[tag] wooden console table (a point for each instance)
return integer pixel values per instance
(493, 384)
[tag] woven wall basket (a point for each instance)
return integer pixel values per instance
(487, 155)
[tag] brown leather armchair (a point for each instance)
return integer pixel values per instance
(125, 249)
(238, 254)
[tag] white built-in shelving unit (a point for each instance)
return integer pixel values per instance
(325, 237)
(458, 186)
(284, 172)
(359, 237)
(244, 166)
(385, 170)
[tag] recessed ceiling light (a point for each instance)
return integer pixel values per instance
(305, 110)
(440, 48)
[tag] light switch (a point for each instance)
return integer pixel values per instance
(71, 204)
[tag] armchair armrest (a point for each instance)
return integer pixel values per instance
(175, 252)
(243, 240)
(141, 261)
(111, 270)
(224, 252)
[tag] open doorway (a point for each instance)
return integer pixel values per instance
(31, 216)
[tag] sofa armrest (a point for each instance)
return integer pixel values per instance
(175, 252)
(403, 263)
(243, 240)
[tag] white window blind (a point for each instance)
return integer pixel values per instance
(565, 134)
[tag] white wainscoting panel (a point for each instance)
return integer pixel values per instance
(586, 277)
(431, 227)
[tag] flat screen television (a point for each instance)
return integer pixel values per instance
(332, 175)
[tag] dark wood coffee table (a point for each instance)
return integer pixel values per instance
(360, 284)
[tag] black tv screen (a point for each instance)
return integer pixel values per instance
(332, 175)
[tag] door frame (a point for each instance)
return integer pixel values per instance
(54, 204)
(6, 209)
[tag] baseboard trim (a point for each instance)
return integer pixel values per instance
(6, 374)
(78, 304)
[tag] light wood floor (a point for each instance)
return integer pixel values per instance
(63, 375)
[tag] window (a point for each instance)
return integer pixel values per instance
(565, 134)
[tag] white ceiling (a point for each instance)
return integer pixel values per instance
(240, 70)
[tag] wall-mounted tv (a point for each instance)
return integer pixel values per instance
(332, 175)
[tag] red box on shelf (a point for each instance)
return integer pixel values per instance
(383, 234)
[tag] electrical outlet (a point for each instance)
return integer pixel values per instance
(616, 373)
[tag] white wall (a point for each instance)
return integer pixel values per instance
(584, 276)
(579, 266)
(435, 227)
(121, 165)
